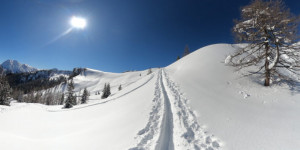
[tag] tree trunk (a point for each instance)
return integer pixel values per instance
(268, 71)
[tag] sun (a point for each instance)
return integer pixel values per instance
(78, 22)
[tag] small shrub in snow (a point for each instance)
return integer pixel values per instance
(120, 87)
(149, 71)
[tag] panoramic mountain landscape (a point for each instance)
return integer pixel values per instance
(233, 95)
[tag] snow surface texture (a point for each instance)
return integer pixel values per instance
(172, 125)
(109, 124)
(14, 66)
(198, 102)
(239, 110)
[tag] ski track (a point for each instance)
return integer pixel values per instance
(149, 133)
(172, 124)
(165, 141)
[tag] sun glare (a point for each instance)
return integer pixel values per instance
(78, 22)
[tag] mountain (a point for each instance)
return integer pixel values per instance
(13, 66)
(39, 80)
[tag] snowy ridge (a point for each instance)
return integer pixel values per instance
(14, 66)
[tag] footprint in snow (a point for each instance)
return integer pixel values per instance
(245, 95)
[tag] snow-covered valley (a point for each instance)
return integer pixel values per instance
(198, 102)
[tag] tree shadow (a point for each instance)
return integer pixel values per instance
(292, 85)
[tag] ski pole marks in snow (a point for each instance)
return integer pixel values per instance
(172, 124)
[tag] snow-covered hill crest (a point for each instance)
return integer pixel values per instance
(14, 66)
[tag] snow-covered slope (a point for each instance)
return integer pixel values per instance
(14, 66)
(238, 110)
(109, 124)
(198, 102)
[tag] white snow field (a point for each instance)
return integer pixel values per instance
(198, 102)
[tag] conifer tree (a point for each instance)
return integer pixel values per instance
(186, 51)
(106, 91)
(84, 96)
(71, 100)
(4, 91)
(62, 99)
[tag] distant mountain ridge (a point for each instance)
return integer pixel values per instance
(13, 66)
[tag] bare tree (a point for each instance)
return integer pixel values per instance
(270, 33)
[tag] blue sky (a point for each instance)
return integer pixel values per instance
(121, 34)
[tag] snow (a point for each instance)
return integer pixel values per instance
(266, 119)
(198, 102)
(272, 64)
(109, 125)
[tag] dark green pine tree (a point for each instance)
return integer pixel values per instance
(4, 91)
(106, 91)
(71, 100)
(84, 96)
